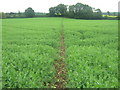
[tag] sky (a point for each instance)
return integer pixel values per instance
(44, 5)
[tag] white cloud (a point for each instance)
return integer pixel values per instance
(44, 5)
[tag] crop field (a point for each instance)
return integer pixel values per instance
(109, 16)
(31, 47)
(92, 53)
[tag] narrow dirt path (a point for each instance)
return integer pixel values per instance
(60, 64)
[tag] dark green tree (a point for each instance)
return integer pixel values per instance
(59, 10)
(52, 11)
(29, 12)
(87, 12)
(80, 11)
(71, 12)
(98, 14)
(108, 13)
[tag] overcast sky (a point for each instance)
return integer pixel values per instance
(44, 5)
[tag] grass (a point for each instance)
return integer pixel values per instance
(31, 47)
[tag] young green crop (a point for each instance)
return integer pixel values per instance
(92, 53)
(30, 47)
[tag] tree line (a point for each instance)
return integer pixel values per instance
(81, 11)
(77, 11)
(28, 13)
(111, 13)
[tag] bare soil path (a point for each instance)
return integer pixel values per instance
(60, 64)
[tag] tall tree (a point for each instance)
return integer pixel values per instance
(52, 11)
(29, 12)
(71, 12)
(98, 14)
(79, 10)
(108, 13)
(59, 10)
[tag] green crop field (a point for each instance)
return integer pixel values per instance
(92, 52)
(31, 46)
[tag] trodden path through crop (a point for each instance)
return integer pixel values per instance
(60, 64)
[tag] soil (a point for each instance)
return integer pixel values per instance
(60, 64)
